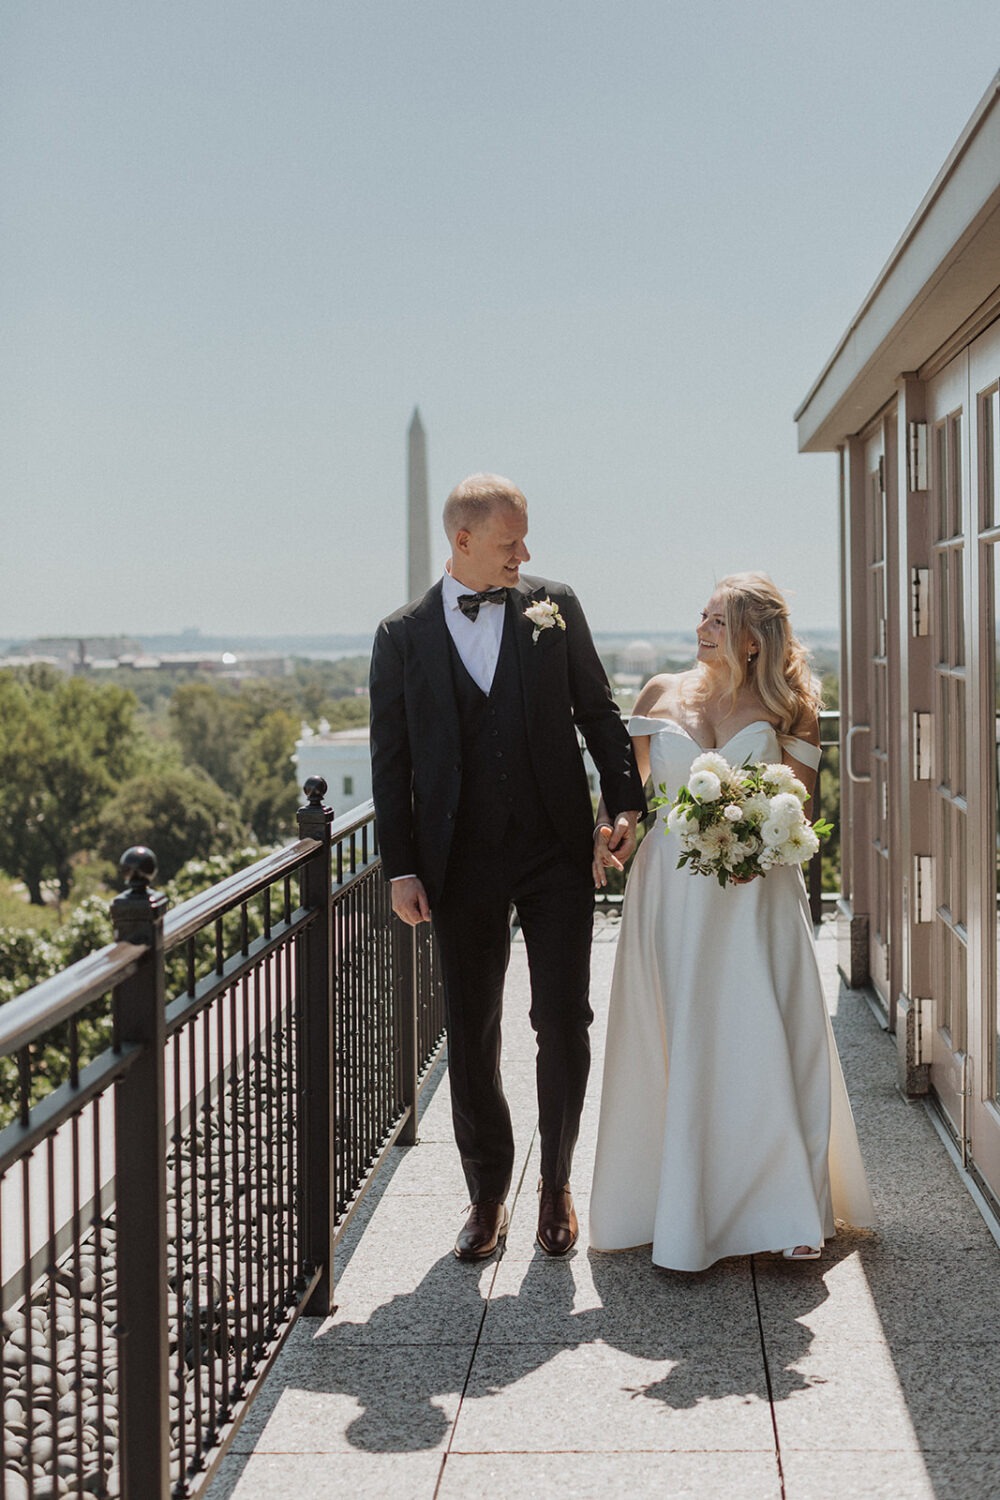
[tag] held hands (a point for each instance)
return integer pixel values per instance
(409, 901)
(613, 845)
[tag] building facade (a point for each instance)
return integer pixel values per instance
(342, 758)
(909, 400)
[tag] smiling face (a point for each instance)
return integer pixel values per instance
(712, 631)
(489, 554)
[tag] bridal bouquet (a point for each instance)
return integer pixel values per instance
(735, 822)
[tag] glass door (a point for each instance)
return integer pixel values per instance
(983, 1133)
(949, 822)
(879, 729)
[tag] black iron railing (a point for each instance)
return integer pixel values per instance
(825, 804)
(169, 1208)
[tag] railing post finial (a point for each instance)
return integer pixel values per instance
(315, 818)
(134, 912)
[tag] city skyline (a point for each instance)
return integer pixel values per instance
(602, 251)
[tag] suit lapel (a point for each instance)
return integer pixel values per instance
(523, 595)
(430, 636)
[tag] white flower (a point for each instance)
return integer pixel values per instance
(710, 760)
(715, 840)
(733, 813)
(773, 833)
(786, 809)
(543, 614)
(780, 776)
(679, 819)
(800, 845)
(705, 785)
(756, 808)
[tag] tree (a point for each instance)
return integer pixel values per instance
(65, 745)
(270, 794)
(179, 814)
(207, 724)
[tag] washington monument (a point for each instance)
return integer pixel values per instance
(418, 515)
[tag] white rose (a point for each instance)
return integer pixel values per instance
(733, 813)
(705, 785)
(773, 833)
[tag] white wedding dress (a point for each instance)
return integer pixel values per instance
(725, 1127)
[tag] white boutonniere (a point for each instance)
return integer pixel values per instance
(543, 614)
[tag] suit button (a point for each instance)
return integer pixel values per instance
(457, 766)
(503, 777)
(451, 815)
(499, 754)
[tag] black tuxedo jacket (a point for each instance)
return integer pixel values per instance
(416, 740)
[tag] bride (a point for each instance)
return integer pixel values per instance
(725, 1127)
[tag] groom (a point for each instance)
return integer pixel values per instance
(482, 804)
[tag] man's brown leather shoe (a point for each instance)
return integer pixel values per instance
(557, 1222)
(484, 1229)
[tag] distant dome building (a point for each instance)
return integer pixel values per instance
(637, 659)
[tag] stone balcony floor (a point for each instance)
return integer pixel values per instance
(872, 1372)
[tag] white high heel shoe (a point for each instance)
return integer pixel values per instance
(803, 1252)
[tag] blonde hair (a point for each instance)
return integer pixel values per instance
(778, 671)
(475, 499)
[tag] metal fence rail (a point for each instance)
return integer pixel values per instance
(829, 738)
(167, 1209)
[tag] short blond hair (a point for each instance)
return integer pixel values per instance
(476, 498)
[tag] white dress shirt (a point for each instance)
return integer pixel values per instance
(477, 641)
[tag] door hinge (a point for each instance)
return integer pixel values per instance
(923, 888)
(920, 601)
(923, 746)
(916, 478)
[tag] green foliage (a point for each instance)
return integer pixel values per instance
(65, 745)
(179, 814)
(319, 684)
(27, 958)
(270, 794)
(206, 722)
(15, 911)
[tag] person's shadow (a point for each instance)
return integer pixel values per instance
(408, 1363)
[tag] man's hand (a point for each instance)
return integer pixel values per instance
(621, 842)
(603, 858)
(409, 900)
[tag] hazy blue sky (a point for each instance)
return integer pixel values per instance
(605, 247)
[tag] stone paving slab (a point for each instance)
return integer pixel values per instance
(867, 1373)
(604, 1476)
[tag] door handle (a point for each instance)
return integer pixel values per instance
(859, 778)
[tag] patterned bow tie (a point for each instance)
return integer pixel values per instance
(469, 603)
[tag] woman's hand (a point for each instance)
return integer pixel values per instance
(604, 859)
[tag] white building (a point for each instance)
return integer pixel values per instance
(343, 760)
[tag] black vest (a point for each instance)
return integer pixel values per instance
(498, 782)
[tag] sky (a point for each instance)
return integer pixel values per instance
(605, 248)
